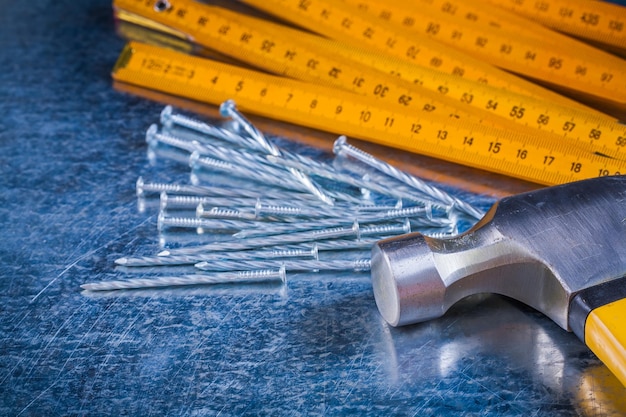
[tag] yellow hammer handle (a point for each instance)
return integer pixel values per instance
(598, 317)
(605, 334)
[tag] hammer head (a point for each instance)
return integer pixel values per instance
(540, 248)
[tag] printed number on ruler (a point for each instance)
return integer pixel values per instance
(600, 21)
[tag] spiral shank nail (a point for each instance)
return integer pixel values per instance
(272, 228)
(193, 222)
(295, 253)
(187, 122)
(222, 213)
(263, 209)
(194, 190)
(238, 167)
(193, 279)
(210, 163)
(180, 201)
(408, 212)
(229, 109)
(156, 187)
(269, 241)
(168, 120)
(341, 178)
(437, 194)
(138, 261)
(276, 253)
(386, 229)
(299, 265)
(300, 237)
(186, 145)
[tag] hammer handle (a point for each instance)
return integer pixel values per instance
(598, 318)
(605, 334)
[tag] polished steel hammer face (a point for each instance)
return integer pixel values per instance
(543, 248)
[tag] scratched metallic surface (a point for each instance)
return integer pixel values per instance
(71, 148)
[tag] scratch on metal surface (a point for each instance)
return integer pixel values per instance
(423, 405)
(11, 371)
(103, 365)
(60, 373)
(88, 254)
(64, 365)
(195, 349)
(37, 397)
(34, 361)
(58, 276)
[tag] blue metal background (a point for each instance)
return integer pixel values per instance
(71, 148)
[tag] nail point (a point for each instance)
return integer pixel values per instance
(121, 261)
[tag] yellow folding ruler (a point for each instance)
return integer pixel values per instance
(448, 107)
(518, 155)
(534, 52)
(310, 58)
(345, 22)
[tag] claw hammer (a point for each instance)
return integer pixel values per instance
(561, 250)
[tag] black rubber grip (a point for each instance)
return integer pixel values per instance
(591, 298)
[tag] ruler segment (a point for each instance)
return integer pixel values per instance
(570, 64)
(597, 21)
(348, 24)
(510, 153)
(319, 60)
(276, 49)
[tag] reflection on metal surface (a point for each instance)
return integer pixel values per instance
(600, 393)
(486, 335)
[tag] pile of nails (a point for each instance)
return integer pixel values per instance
(283, 212)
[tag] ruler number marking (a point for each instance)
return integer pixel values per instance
(595, 134)
(495, 147)
(517, 112)
(543, 119)
(616, 25)
(591, 19)
(568, 126)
